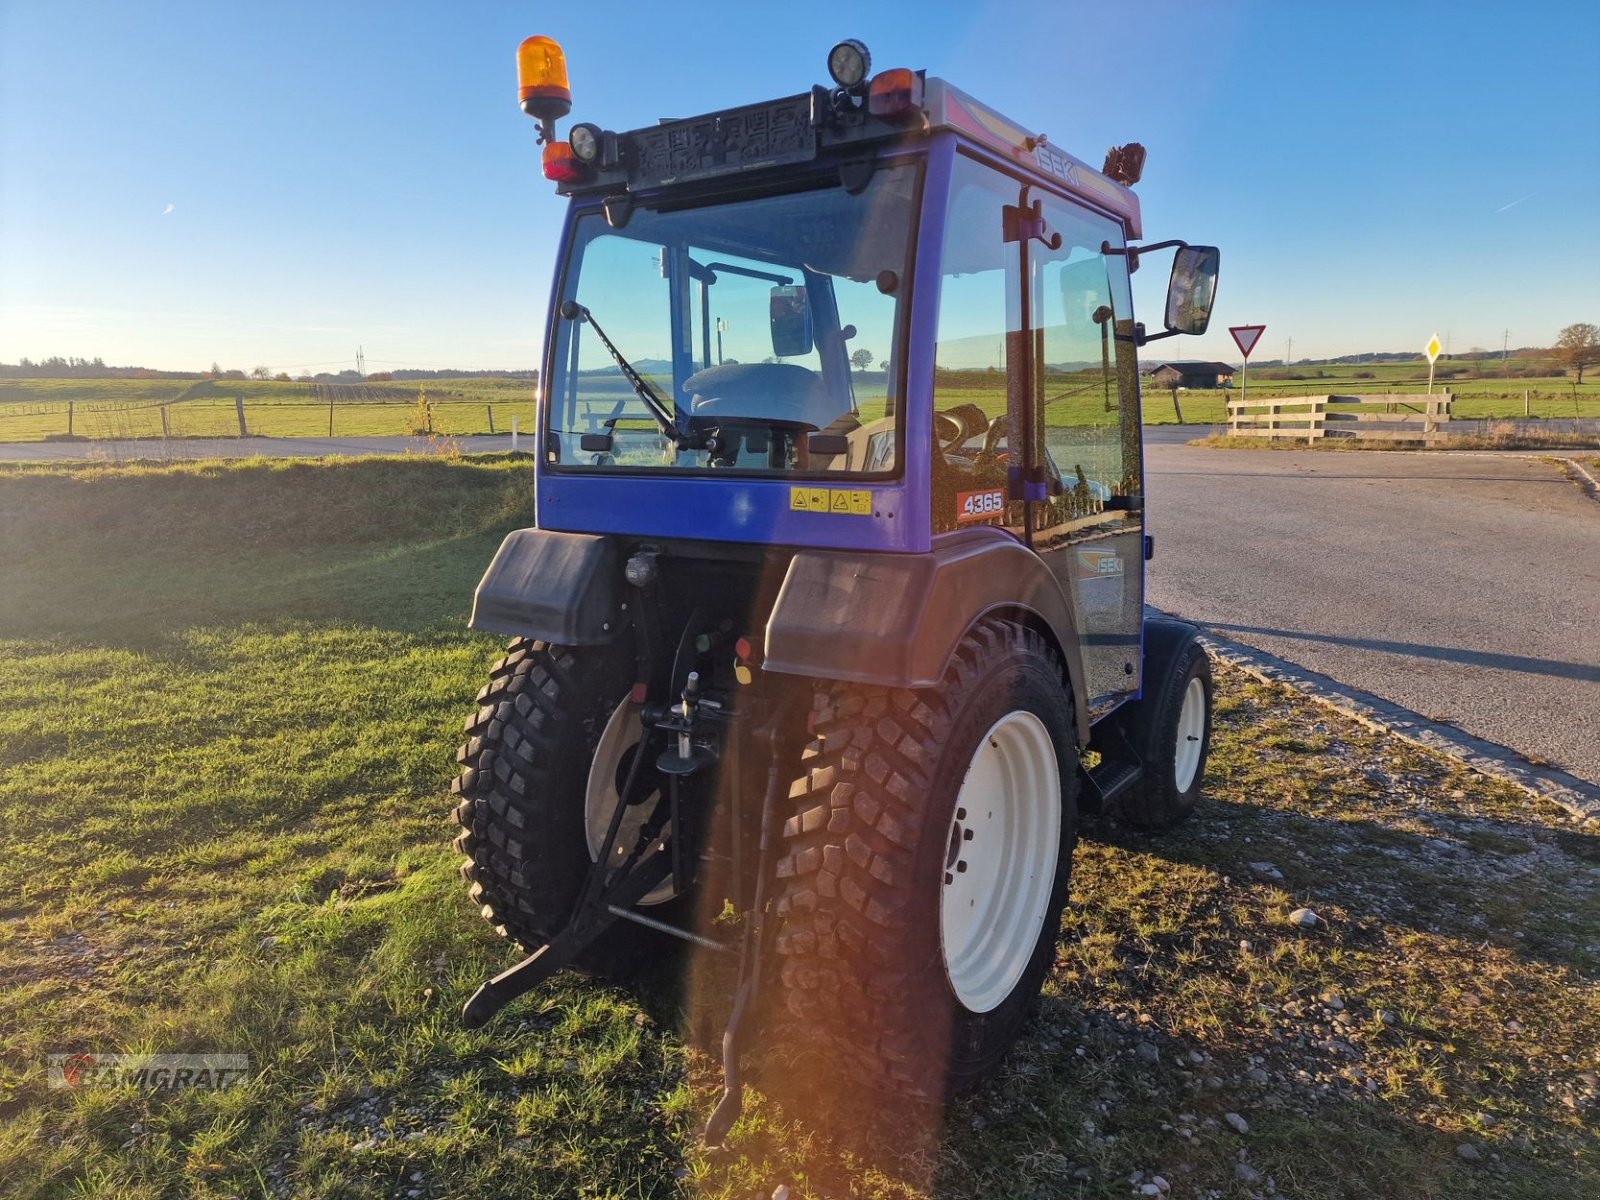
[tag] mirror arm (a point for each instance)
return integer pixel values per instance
(1140, 337)
(1133, 252)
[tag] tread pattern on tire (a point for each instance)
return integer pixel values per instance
(845, 876)
(522, 724)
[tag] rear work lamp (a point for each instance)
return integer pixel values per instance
(849, 63)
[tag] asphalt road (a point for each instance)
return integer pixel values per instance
(312, 447)
(1465, 587)
(167, 450)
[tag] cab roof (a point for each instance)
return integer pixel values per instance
(798, 129)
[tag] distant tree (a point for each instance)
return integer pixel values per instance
(216, 370)
(861, 359)
(281, 377)
(381, 377)
(261, 373)
(1578, 346)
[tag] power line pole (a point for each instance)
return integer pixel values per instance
(1505, 349)
(1288, 355)
(361, 362)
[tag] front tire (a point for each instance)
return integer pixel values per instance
(926, 865)
(1171, 730)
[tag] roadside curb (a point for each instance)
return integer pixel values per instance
(1583, 478)
(1577, 797)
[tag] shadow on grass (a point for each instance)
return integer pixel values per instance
(1469, 887)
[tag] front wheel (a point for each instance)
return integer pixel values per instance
(1171, 729)
(926, 865)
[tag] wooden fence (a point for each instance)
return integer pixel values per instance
(1388, 417)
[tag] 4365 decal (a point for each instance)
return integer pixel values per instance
(980, 506)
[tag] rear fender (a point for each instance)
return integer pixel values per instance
(557, 587)
(896, 619)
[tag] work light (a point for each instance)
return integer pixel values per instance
(848, 63)
(585, 141)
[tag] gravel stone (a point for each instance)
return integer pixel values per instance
(1467, 1152)
(1304, 918)
(1240, 1125)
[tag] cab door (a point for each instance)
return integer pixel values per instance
(1087, 520)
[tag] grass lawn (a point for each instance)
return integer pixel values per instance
(229, 701)
(37, 409)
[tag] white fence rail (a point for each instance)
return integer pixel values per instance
(1389, 417)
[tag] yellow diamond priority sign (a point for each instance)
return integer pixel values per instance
(1433, 349)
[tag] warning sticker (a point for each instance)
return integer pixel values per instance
(850, 502)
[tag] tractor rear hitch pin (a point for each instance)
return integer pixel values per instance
(691, 693)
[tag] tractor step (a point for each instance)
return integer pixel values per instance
(1112, 778)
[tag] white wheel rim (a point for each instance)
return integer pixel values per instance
(1000, 869)
(600, 797)
(1191, 734)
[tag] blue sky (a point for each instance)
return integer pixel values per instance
(183, 183)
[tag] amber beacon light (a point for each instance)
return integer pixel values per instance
(542, 83)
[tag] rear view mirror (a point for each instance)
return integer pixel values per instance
(791, 321)
(1192, 289)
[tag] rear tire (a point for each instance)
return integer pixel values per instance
(916, 928)
(528, 772)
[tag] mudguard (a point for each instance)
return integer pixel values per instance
(558, 587)
(895, 619)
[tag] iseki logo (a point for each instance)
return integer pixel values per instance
(161, 1072)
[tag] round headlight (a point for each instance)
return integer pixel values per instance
(848, 63)
(585, 140)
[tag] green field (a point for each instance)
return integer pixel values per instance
(229, 701)
(36, 409)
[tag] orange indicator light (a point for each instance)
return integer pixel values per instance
(542, 79)
(561, 165)
(894, 93)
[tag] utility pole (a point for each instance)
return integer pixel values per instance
(1505, 348)
(361, 362)
(1288, 354)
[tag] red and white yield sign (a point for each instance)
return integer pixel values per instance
(1246, 336)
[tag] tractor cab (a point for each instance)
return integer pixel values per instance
(834, 610)
(862, 317)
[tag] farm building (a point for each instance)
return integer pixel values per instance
(1191, 375)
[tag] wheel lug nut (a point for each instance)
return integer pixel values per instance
(949, 878)
(962, 865)
(961, 814)
(966, 835)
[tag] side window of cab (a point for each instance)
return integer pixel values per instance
(979, 323)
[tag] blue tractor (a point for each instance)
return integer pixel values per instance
(833, 620)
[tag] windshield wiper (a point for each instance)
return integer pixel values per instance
(666, 418)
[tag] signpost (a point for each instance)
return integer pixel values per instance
(1432, 351)
(1246, 337)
